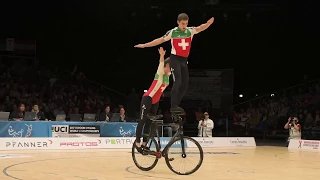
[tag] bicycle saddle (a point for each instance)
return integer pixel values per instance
(154, 117)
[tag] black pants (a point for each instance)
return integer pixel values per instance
(146, 108)
(180, 75)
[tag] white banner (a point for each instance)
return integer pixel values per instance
(311, 145)
(110, 143)
(225, 141)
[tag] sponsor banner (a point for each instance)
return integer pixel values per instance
(301, 144)
(57, 129)
(165, 140)
(225, 142)
(63, 131)
(60, 131)
(75, 143)
(50, 143)
(121, 142)
(84, 129)
(109, 143)
(23, 129)
(118, 129)
(204, 142)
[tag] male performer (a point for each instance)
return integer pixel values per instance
(181, 38)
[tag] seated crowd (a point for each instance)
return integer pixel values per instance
(48, 96)
(271, 113)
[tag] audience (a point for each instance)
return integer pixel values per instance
(50, 96)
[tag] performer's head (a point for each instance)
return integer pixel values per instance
(167, 68)
(182, 20)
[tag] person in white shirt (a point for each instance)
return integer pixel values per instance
(205, 126)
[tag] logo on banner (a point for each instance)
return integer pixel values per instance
(88, 129)
(121, 141)
(29, 143)
(238, 142)
(309, 144)
(205, 142)
(23, 132)
(80, 143)
(128, 133)
(59, 129)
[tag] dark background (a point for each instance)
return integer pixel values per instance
(272, 49)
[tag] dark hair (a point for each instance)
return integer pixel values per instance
(166, 61)
(183, 17)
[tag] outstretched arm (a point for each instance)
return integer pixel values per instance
(156, 42)
(160, 70)
(204, 26)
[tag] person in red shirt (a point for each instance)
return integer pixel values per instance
(150, 99)
(181, 38)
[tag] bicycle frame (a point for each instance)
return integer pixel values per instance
(154, 131)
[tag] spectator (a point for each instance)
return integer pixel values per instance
(205, 126)
(105, 115)
(294, 128)
(18, 114)
(40, 114)
(122, 117)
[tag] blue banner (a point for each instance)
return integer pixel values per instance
(165, 140)
(44, 128)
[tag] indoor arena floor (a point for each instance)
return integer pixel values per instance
(260, 163)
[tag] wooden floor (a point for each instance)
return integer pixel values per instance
(261, 163)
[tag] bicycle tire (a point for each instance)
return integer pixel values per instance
(135, 160)
(194, 169)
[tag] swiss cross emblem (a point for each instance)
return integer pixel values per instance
(183, 44)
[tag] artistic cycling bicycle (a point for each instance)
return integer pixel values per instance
(180, 148)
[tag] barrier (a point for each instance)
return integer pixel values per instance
(311, 145)
(110, 143)
(66, 129)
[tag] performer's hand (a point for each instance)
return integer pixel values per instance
(140, 46)
(210, 21)
(162, 52)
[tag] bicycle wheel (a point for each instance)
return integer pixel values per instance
(193, 153)
(139, 158)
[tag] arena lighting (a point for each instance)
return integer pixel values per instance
(241, 95)
(272, 95)
(145, 90)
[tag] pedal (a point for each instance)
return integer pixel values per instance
(157, 154)
(171, 159)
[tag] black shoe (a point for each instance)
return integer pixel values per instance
(139, 149)
(145, 148)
